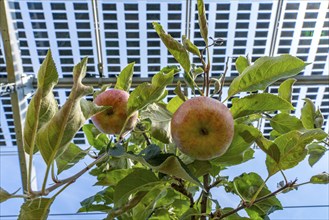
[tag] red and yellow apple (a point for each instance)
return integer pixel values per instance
(202, 128)
(112, 120)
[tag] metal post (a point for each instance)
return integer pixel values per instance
(276, 28)
(97, 37)
(14, 71)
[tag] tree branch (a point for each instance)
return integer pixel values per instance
(181, 189)
(205, 195)
(217, 214)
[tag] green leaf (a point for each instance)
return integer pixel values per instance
(149, 203)
(203, 21)
(71, 156)
(292, 146)
(284, 123)
(189, 46)
(241, 64)
(189, 213)
(147, 93)
(4, 195)
(111, 178)
(125, 77)
(199, 168)
(35, 209)
(269, 147)
(174, 47)
(189, 81)
(308, 114)
(264, 72)
(315, 151)
(174, 104)
(168, 164)
(239, 150)
(98, 202)
(178, 91)
(258, 103)
(94, 137)
(138, 180)
(43, 105)
(285, 91)
(322, 178)
(246, 185)
(160, 122)
(54, 137)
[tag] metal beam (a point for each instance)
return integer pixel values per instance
(14, 71)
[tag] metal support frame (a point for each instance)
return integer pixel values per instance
(14, 71)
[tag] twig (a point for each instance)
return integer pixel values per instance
(222, 81)
(215, 183)
(217, 214)
(205, 195)
(181, 188)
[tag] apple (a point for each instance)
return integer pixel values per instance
(202, 128)
(111, 121)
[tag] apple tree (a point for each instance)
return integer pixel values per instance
(162, 160)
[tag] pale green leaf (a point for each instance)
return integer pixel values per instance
(189, 214)
(246, 186)
(174, 104)
(178, 91)
(35, 209)
(160, 122)
(71, 156)
(147, 93)
(189, 46)
(94, 137)
(43, 105)
(112, 177)
(308, 114)
(264, 72)
(318, 119)
(241, 64)
(168, 164)
(292, 146)
(258, 103)
(56, 134)
(234, 216)
(174, 47)
(138, 180)
(125, 78)
(316, 151)
(199, 167)
(284, 123)
(203, 21)
(285, 91)
(4, 195)
(322, 178)
(239, 150)
(269, 147)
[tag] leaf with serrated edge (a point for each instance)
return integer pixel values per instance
(269, 147)
(241, 64)
(308, 114)
(138, 180)
(4, 195)
(292, 146)
(72, 155)
(189, 46)
(264, 72)
(322, 178)
(94, 137)
(168, 164)
(258, 103)
(54, 137)
(174, 47)
(244, 137)
(203, 21)
(316, 151)
(285, 91)
(174, 104)
(43, 102)
(284, 123)
(178, 91)
(246, 185)
(125, 78)
(35, 209)
(147, 93)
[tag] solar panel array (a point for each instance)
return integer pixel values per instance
(127, 35)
